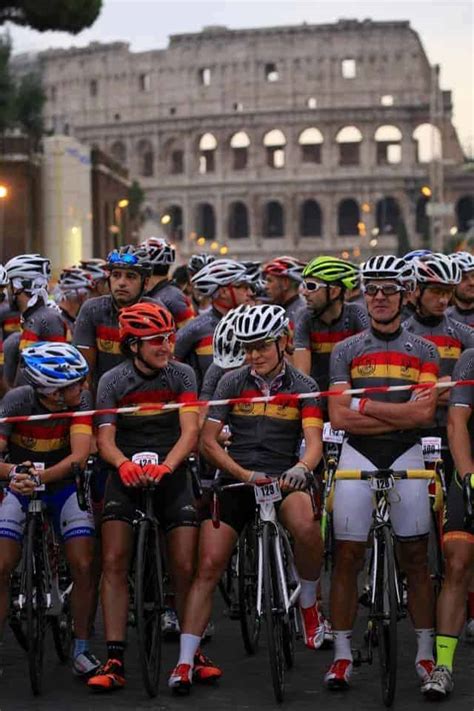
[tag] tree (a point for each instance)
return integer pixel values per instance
(29, 102)
(42, 15)
(7, 87)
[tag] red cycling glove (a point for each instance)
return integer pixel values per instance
(130, 473)
(155, 472)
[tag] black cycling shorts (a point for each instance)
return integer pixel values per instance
(453, 528)
(175, 501)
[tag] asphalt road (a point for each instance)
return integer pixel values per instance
(245, 684)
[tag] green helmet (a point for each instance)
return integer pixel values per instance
(333, 271)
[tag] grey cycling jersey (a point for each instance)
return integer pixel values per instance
(213, 374)
(175, 301)
(463, 395)
(463, 315)
(194, 342)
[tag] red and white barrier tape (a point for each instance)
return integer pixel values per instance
(282, 399)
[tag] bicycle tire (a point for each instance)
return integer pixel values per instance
(386, 618)
(149, 604)
(61, 625)
(435, 555)
(273, 616)
(247, 587)
(288, 622)
(35, 605)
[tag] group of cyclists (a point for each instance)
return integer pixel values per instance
(122, 333)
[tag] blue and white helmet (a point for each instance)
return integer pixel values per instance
(227, 350)
(49, 365)
(465, 261)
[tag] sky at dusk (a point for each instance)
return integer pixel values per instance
(445, 29)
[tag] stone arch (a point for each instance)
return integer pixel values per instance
(311, 219)
(146, 158)
(238, 220)
(206, 220)
(239, 144)
(273, 219)
(348, 217)
(275, 142)
(207, 153)
(388, 140)
(465, 213)
(349, 139)
(387, 215)
(118, 151)
(428, 142)
(310, 141)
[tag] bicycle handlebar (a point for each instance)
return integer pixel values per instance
(384, 474)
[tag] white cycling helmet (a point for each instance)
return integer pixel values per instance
(465, 260)
(160, 251)
(96, 268)
(222, 272)
(75, 278)
(227, 350)
(262, 322)
(3, 276)
(50, 366)
(27, 267)
(388, 266)
(437, 269)
(197, 261)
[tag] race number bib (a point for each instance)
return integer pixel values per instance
(431, 448)
(144, 458)
(330, 435)
(268, 493)
(40, 467)
(379, 484)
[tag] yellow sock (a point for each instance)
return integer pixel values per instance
(445, 648)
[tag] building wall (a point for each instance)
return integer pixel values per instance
(111, 225)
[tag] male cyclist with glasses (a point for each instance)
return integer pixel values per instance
(56, 373)
(327, 319)
(283, 279)
(382, 432)
(458, 539)
(265, 439)
(463, 307)
(148, 376)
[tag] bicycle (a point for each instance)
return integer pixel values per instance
(270, 576)
(386, 605)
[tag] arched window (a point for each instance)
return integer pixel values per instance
(146, 159)
(238, 221)
(239, 144)
(310, 219)
(174, 228)
(206, 221)
(422, 221)
(273, 220)
(118, 152)
(311, 140)
(207, 153)
(465, 213)
(348, 217)
(387, 215)
(349, 139)
(389, 149)
(428, 142)
(275, 142)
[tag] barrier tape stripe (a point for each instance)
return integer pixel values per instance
(282, 398)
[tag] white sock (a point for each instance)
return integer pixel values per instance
(307, 596)
(188, 646)
(425, 639)
(342, 644)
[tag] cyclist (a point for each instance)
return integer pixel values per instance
(96, 332)
(97, 270)
(264, 438)
(74, 287)
(9, 317)
(161, 255)
(225, 281)
(283, 279)
(147, 376)
(382, 432)
(327, 319)
(463, 307)
(56, 374)
(458, 539)
(195, 263)
(436, 277)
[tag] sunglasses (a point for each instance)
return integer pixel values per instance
(165, 339)
(258, 346)
(386, 289)
(117, 258)
(313, 285)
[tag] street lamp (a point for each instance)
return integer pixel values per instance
(3, 192)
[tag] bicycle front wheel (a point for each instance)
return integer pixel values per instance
(247, 579)
(386, 613)
(35, 604)
(273, 613)
(149, 604)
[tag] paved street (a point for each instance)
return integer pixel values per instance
(245, 685)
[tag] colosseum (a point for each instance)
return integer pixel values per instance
(298, 139)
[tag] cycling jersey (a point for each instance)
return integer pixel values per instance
(175, 301)
(292, 307)
(463, 315)
(69, 322)
(11, 355)
(374, 359)
(266, 437)
(147, 430)
(194, 342)
(463, 395)
(213, 374)
(9, 320)
(313, 334)
(41, 323)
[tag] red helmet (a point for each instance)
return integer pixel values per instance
(285, 267)
(144, 320)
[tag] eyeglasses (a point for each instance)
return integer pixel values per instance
(313, 285)
(386, 289)
(258, 346)
(440, 290)
(162, 339)
(117, 258)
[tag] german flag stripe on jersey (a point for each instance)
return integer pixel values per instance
(12, 324)
(311, 416)
(447, 346)
(399, 366)
(149, 398)
(184, 317)
(108, 339)
(324, 341)
(204, 346)
(29, 338)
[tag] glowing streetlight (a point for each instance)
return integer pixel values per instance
(3, 192)
(426, 191)
(345, 254)
(201, 241)
(165, 219)
(453, 231)
(223, 250)
(365, 207)
(373, 242)
(214, 246)
(122, 203)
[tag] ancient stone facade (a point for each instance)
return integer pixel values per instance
(299, 139)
